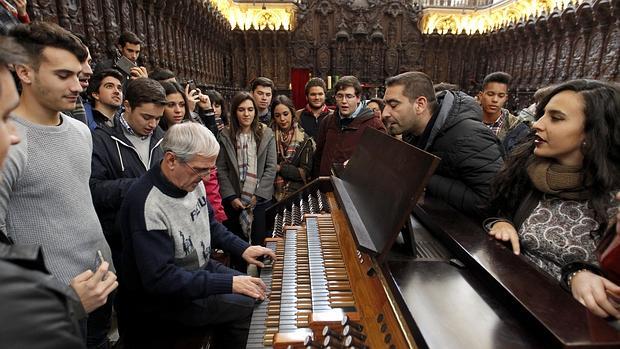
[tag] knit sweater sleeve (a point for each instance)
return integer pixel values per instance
(158, 273)
(14, 165)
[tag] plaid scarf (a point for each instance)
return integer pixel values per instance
(496, 126)
(287, 144)
(247, 162)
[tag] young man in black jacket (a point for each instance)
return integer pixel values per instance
(449, 126)
(124, 153)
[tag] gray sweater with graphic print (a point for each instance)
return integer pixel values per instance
(167, 238)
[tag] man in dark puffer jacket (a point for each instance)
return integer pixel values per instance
(123, 153)
(449, 126)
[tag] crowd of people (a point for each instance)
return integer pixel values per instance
(128, 182)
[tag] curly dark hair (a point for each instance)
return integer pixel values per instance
(601, 151)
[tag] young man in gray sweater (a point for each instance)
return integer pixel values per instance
(44, 195)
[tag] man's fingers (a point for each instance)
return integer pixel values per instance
(101, 272)
(109, 280)
(260, 283)
(271, 254)
(83, 276)
(253, 290)
(110, 288)
(257, 263)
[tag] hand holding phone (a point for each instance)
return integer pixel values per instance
(93, 288)
(124, 65)
(138, 72)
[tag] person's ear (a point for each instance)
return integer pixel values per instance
(25, 73)
(421, 104)
(169, 160)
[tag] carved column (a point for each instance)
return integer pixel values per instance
(92, 29)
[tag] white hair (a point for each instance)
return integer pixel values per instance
(189, 139)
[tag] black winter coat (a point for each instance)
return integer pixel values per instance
(470, 154)
(116, 165)
(37, 310)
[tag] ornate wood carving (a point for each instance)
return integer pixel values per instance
(369, 38)
(185, 36)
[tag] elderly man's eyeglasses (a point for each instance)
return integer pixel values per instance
(201, 173)
(340, 97)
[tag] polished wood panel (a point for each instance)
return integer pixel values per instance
(377, 309)
(452, 309)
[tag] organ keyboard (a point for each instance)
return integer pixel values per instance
(322, 277)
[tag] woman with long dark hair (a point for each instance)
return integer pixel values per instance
(176, 109)
(295, 148)
(247, 169)
(555, 192)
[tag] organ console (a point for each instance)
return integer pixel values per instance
(339, 281)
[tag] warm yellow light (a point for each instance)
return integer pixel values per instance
(246, 15)
(470, 21)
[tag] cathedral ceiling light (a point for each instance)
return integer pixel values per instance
(470, 21)
(257, 14)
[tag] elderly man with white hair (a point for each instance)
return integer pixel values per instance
(172, 291)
